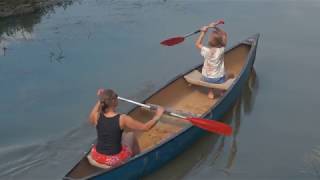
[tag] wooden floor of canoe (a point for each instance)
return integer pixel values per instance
(179, 95)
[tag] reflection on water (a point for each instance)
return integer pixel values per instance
(244, 104)
(17, 8)
(57, 56)
(18, 35)
(13, 29)
(3, 50)
(54, 157)
(249, 92)
(312, 161)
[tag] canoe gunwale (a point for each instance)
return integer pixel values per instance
(252, 43)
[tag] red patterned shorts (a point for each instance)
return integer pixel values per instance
(111, 160)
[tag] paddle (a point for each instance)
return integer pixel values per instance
(206, 124)
(176, 40)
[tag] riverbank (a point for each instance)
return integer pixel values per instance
(20, 7)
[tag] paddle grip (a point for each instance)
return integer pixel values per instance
(190, 34)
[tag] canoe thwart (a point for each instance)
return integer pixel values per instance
(195, 78)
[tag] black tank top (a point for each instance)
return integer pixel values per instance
(109, 135)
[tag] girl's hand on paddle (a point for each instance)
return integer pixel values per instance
(204, 28)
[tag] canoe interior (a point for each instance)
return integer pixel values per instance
(178, 95)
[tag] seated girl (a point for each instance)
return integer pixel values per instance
(114, 145)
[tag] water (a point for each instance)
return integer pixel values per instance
(52, 62)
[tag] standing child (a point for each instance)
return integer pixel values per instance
(213, 67)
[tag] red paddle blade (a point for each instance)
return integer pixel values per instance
(211, 126)
(172, 41)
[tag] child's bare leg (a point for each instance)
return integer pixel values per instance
(210, 94)
(221, 92)
(229, 75)
(218, 92)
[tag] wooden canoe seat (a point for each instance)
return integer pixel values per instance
(194, 77)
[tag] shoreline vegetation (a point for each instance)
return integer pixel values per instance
(10, 8)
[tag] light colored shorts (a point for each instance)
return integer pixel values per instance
(214, 80)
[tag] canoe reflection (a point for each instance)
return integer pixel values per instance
(312, 162)
(243, 105)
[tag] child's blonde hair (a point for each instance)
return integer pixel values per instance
(216, 40)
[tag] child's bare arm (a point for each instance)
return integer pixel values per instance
(198, 44)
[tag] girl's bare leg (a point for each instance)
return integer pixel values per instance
(130, 139)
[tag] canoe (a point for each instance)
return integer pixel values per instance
(171, 136)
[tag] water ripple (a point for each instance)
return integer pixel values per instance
(50, 159)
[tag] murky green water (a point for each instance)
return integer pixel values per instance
(51, 64)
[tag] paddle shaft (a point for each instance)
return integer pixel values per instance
(176, 40)
(151, 107)
(209, 125)
(193, 33)
(197, 31)
(190, 34)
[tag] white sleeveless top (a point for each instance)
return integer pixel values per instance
(213, 66)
